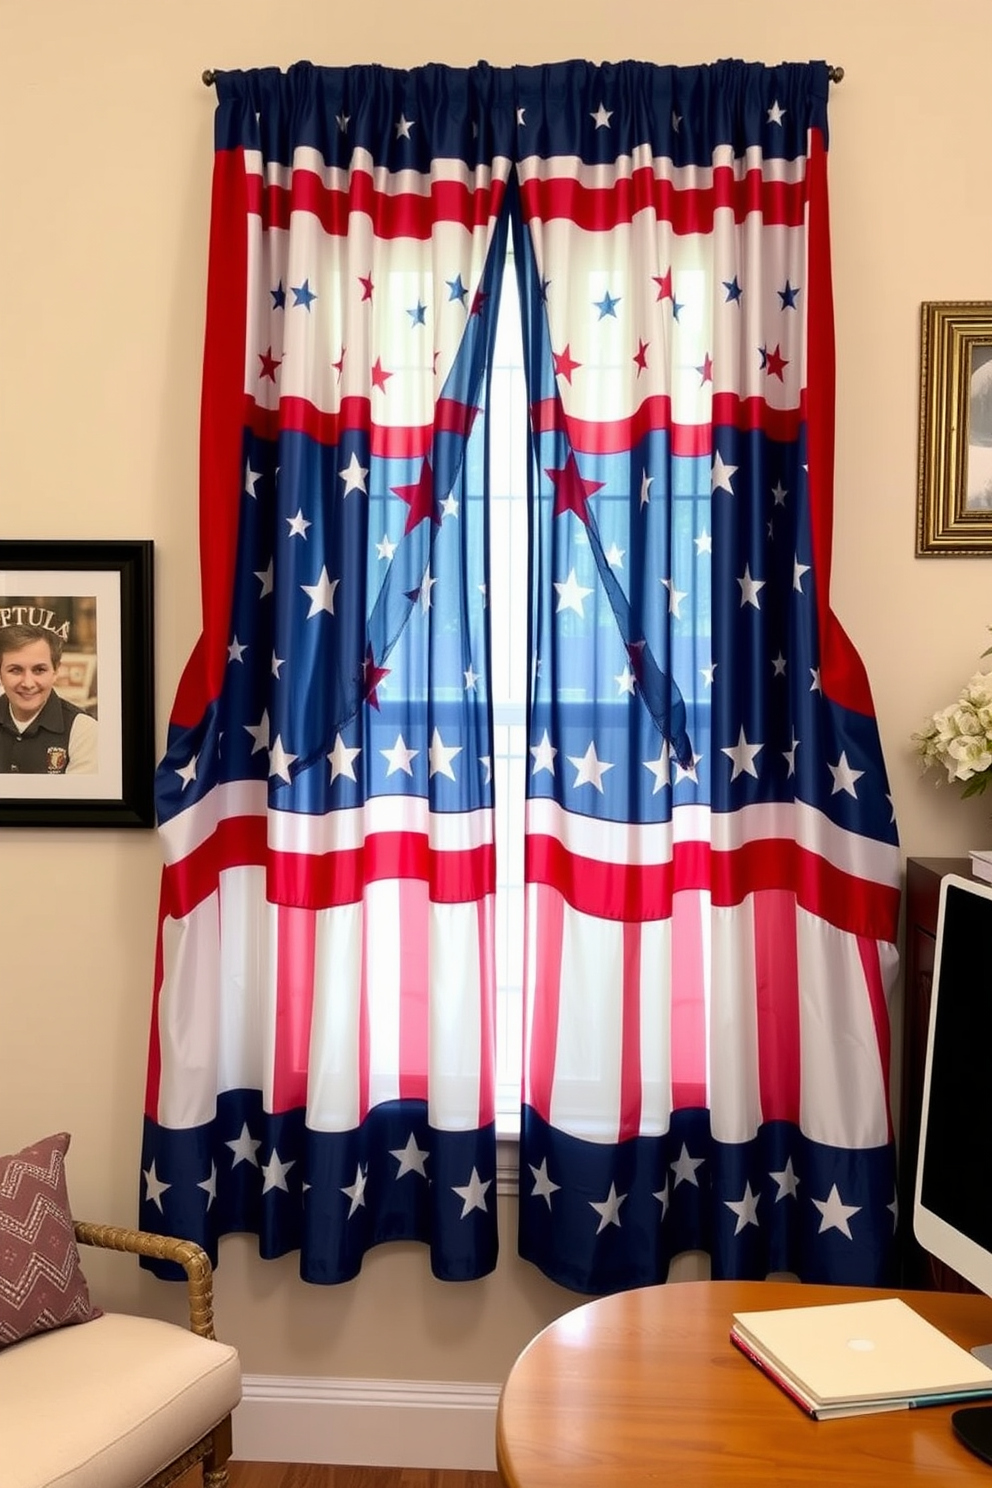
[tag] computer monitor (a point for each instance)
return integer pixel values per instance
(952, 1203)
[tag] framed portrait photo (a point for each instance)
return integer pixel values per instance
(954, 508)
(77, 686)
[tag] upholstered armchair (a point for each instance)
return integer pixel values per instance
(95, 1399)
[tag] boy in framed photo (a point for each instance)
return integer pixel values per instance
(41, 733)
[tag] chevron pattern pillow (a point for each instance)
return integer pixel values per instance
(42, 1285)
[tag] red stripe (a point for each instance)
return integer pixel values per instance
(688, 1015)
(630, 1035)
(617, 436)
(401, 214)
(874, 982)
(221, 434)
(686, 210)
(295, 955)
(322, 882)
(842, 673)
(621, 892)
(409, 442)
(776, 967)
(542, 982)
(414, 1030)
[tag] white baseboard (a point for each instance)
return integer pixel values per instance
(374, 1423)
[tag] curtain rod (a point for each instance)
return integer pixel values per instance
(835, 74)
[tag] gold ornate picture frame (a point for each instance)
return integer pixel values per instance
(954, 509)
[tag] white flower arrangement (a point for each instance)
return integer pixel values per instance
(958, 738)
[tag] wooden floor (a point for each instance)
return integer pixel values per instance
(283, 1475)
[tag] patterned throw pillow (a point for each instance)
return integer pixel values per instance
(42, 1285)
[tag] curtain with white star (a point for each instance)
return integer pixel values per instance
(711, 854)
(321, 1069)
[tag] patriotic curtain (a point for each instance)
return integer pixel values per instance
(711, 854)
(711, 860)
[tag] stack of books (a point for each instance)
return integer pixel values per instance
(851, 1358)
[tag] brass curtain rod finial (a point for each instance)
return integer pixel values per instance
(209, 77)
(835, 74)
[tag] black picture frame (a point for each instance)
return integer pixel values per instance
(108, 587)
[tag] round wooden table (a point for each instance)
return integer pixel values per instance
(645, 1388)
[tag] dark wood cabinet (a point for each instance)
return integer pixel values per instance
(923, 875)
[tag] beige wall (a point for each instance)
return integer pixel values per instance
(107, 141)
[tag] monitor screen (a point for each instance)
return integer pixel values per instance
(952, 1209)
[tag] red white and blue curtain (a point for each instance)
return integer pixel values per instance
(711, 858)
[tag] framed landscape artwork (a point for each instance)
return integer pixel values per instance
(77, 739)
(954, 506)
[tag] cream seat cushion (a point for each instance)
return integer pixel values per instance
(109, 1403)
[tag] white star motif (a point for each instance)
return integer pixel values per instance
(745, 1209)
(706, 673)
(403, 126)
(742, 754)
(155, 1188)
(787, 1182)
(608, 1210)
(235, 651)
(544, 755)
(543, 1187)
(275, 1173)
(473, 1194)
(571, 594)
(721, 475)
(209, 1185)
(252, 477)
(790, 755)
(675, 597)
(615, 556)
(449, 506)
(277, 662)
(776, 114)
(486, 761)
(321, 594)
(704, 543)
(441, 756)
(280, 761)
(353, 476)
(779, 493)
(411, 1158)
(187, 772)
(835, 1214)
(601, 118)
(645, 488)
(589, 769)
(244, 1147)
(685, 1167)
(385, 549)
(814, 686)
(663, 1198)
(844, 776)
(265, 577)
(356, 1191)
(471, 679)
(399, 757)
(520, 116)
(298, 525)
(426, 585)
(778, 665)
(259, 732)
(661, 769)
(798, 569)
(676, 121)
(750, 588)
(341, 760)
(625, 682)
(687, 772)
(342, 121)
